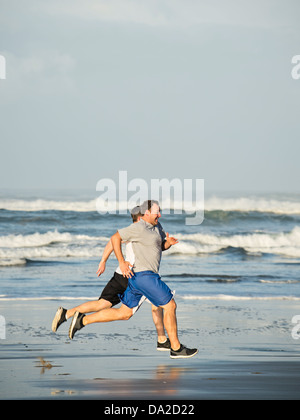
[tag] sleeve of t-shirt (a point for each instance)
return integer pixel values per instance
(162, 232)
(130, 233)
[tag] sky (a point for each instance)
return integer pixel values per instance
(189, 89)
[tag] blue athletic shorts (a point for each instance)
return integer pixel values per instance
(149, 284)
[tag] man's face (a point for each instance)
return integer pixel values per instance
(154, 214)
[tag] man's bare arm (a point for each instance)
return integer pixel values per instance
(116, 241)
(106, 253)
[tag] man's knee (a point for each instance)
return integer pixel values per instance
(126, 316)
(126, 313)
(156, 309)
(171, 306)
(173, 303)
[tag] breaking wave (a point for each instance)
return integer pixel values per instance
(242, 204)
(287, 244)
(19, 249)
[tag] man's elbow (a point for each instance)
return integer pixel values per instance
(116, 238)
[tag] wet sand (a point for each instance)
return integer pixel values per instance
(246, 351)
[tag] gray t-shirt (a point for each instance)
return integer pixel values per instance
(146, 243)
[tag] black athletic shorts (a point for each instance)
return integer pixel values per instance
(116, 285)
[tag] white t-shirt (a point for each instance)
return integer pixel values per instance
(129, 256)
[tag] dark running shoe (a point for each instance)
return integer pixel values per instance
(183, 353)
(166, 346)
(59, 318)
(76, 324)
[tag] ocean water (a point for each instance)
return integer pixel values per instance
(248, 247)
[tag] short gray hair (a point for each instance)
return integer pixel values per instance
(146, 205)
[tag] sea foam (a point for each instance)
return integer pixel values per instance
(17, 249)
(243, 204)
(282, 243)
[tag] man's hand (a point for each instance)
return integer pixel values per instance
(101, 268)
(169, 241)
(126, 269)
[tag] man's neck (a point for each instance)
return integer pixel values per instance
(147, 221)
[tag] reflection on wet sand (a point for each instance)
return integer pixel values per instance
(164, 382)
(44, 365)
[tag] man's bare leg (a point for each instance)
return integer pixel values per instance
(157, 315)
(62, 314)
(170, 322)
(109, 314)
(88, 307)
(80, 320)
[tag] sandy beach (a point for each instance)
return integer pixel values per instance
(246, 351)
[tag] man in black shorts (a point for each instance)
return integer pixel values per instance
(110, 294)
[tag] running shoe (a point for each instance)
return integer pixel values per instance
(182, 353)
(59, 318)
(76, 324)
(166, 346)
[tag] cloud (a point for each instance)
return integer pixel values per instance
(40, 72)
(47, 62)
(142, 12)
(178, 12)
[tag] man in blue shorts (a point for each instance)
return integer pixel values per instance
(148, 241)
(111, 292)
